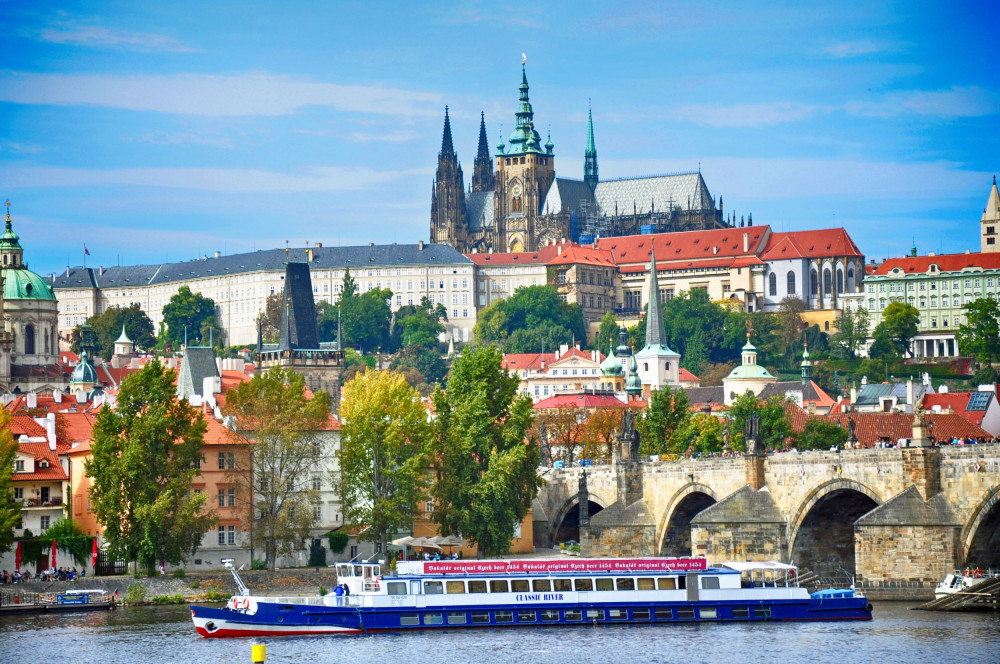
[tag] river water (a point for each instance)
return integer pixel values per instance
(165, 634)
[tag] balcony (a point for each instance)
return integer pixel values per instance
(38, 503)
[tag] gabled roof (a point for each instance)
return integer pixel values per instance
(658, 193)
(540, 257)
(870, 428)
(575, 254)
(40, 451)
(721, 246)
(686, 376)
(811, 392)
(584, 400)
(198, 363)
(970, 405)
(945, 263)
(824, 243)
(479, 209)
(577, 353)
(567, 195)
(526, 361)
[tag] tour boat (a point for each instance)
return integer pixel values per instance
(536, 592)
(960, 581)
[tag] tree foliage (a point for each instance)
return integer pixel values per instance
(279, 434)
(145, 453)
(665, 418)
(599, 434)
(775, 426)
(270, 318)
(425, 360)
(979, 335)
(365, 319)
(533, 315)
(108, 327)
(892, 336)
(419, 325)
(192, 312)
(852, 330)
(819, 434)
(702, 432)
(10, 511)
(383, 456)
(607, 333)
(484, 467)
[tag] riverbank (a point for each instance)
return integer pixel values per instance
(194, 586)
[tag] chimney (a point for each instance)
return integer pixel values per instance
(910, 395)
(559, 250)
(100, 271)
(746, 242)
(563, 349)
(319, 245)
(420, 245)
(309, 255)
(854, 394)
(50, 430)
(32, 401)
(218, 254)
(57, 396)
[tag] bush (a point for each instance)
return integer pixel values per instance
(179, 573)
(985, 376)
(338, 542)
(195, 584)
(136, 594)
(168, 599)
(575, 548)
(323, 591)
(258, 564)
(213, 595)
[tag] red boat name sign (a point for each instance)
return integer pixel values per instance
(570, 565)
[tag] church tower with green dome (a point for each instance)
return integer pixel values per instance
(748, 376)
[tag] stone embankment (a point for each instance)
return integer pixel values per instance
(195, 585)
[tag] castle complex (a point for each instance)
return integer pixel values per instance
(522, 205)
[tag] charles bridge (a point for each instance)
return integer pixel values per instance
(897, 520)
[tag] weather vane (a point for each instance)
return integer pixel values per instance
(524, 59)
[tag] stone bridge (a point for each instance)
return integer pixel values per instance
(895, 518)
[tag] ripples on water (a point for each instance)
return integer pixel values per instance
(165, 634)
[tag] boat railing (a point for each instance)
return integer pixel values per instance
(8, 598)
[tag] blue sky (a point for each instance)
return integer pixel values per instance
(160, 131)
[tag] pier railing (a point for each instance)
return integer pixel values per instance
(16, 598)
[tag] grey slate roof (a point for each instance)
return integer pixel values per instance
(744, 506)
(618, 514)
(298, 317)
(479, 209)
(663, 191)
(269, 260)
(871, 394)
(781, 389)
(565, 195)
(197, 364)
(910, 509)
(703, 395)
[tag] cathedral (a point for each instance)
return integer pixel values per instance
(522, 205)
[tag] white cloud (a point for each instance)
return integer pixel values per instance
(957, 102)
(853, 49)
(160, 137)
(97, 36)
(745, 115)
(236, 95)
(315, 179)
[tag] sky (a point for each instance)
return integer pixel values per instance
(165, 131)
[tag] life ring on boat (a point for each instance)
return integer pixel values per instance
(978, 573)
(966, 571)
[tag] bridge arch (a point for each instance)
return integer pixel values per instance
(674, 530)
(821, 533)
(566, 525)
(981, 535)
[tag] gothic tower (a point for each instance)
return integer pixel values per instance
(525, 171)
(482, 175)
(590, 156)
(449, 224)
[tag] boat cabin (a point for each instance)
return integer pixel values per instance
(361, 578)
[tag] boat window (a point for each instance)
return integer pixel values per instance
(357, 570)
(762, 612)
(664, 614)
(595, 614)
(503, 616)
(477, 586)
(682, 583)
(526, 616)
(498, 586)
(433, 588)
(541, 585)
(645, 584)
(455, 587)
(562, 584)
(433, 618)
(583, 585)
(708, 613)
(741, 612)
(480, 617)
(519, 586)
(342, 570)
(396, 587)
(550, 615)
(640, 614)
(605, 584)
(572, 614)
(617, 614)
(456, 617)
(376, 571)
(626, 584)
(685, 614)
(710, 582)
(407, 619)
(666, 584)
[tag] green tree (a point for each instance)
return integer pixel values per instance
(10, 510)
(326, 321)
(546, 337)
(607, 333)
(425, 360)
(775, 425)
(270, 318)
(365, 318)
(701, 431)
(108, 327)
(665, 418)
(852, 330)
(279, 433)
(145, 452)
(485, 468)
(421, 325)
(789, 328)
(898, 327)
(819, 434)
(530, 308)
(192, 312)
(979, 335)
(383, 455)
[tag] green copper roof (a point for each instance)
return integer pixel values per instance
(611, 366)
(590, 156)
(750, 371)
(524, 139)
(84, 371)
(633, 384)
(123, 339)
(22, 284)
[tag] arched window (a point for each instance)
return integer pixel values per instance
(827, 281)
(850, 279)
(666, 366)
(645, 366)
(29, 340)
(813, 282)
(840, 281)
(772, 281)
(791, 282)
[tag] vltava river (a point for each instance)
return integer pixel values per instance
(165, 634)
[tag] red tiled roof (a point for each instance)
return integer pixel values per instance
(810, 244)
(872, 427)
(41, 451)
(577, 254)
(77, 427)
(958, 402)
(581, 401)
(540, 257)
(691, 245)
(945, 262)
(68, 357)
(686, 375)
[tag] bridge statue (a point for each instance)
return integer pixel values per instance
(629, 436)
(544, 439)
(755, 446)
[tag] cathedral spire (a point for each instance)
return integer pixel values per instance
(482, 174)
(655, 332)
(447, 147)
(590, 156)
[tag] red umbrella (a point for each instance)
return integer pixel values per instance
(53, 554)
(93, 555)
(17, 558)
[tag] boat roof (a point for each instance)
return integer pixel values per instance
(749, 565)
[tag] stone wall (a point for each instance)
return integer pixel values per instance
(746, 541)
(620, 541)
(918, 556)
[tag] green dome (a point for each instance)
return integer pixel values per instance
(750, 371)
(84, 371)
(611, 366)
(22, 284)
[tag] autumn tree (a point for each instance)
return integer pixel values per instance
(703, 433)
(600, 432)
(10, 510)
(270, 319)
(145, 453)
(485, 466)
(383, 455)
(280, 433)
(564, 428)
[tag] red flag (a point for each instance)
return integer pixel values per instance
(53, 554)
(17, 558)
(86, 252)
(93, 555)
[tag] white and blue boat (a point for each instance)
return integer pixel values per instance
(534, 592)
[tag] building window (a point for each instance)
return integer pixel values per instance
(232, 497)
(29, 340)
(222, 497)
(19, 466)
(813, 282)
(790, 278)
(231, 461)
(45, 523)
(222, 460)
(772, 282)
(317, 484)
(222, 535)
(18, 493)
